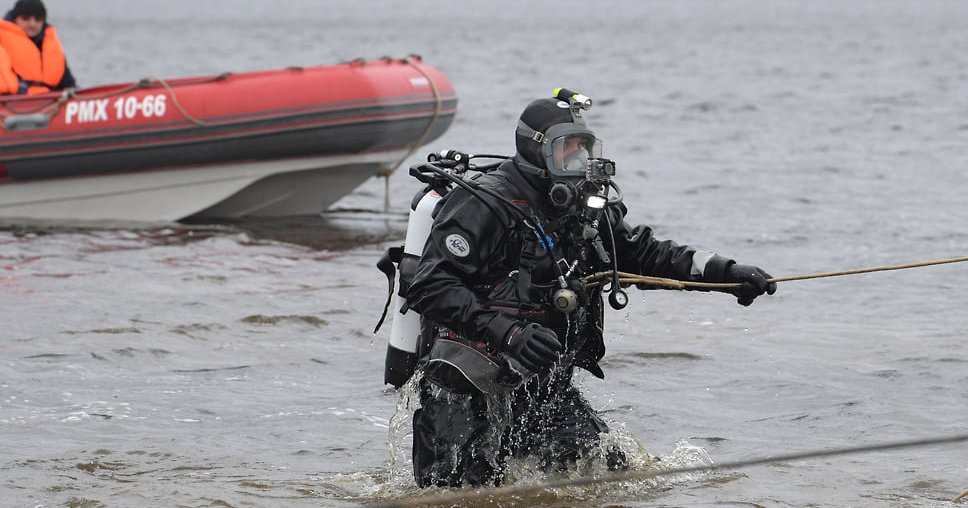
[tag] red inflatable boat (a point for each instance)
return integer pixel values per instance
(276, 143)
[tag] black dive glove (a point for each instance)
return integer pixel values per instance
(753, 282)
(534, 346)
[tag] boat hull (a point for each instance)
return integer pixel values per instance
(277, 188)
(219, 147)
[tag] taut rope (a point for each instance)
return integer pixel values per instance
(631, 278)
(490, 495)
(959, 497)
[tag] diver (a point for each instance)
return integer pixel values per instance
(505, 317)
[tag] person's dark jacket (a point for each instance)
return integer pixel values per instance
(472, 288)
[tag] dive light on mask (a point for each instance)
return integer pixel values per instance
(596, 202)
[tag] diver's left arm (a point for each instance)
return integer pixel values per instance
(638, 251)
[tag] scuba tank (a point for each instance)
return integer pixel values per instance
(440, 174)
(405, 334)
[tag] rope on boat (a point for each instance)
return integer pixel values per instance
(53, 108)
(49, 110)
(492, 495)
(175, 101)
(631, 278)
(412, 60)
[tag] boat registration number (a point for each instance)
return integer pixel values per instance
(122, 108)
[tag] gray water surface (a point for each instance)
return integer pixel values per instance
(234, 365)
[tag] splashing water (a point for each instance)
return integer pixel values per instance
(400, 434)
(528, 470)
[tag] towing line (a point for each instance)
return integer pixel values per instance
(596, 279)
(497, 493)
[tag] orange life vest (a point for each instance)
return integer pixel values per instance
(19, 56)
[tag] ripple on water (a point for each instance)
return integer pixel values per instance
(260, 319)
(641, 358)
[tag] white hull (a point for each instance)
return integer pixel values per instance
(302, 186)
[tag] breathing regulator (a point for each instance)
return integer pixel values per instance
(582, 183)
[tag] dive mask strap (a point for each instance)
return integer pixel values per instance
(526, 131)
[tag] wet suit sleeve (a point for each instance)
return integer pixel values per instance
(466, 242)
(640, 252)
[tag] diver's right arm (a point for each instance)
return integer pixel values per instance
(464, 249)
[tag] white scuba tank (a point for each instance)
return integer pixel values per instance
(402, 352)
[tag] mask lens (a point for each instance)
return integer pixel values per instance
(571, 153)
(577, 161)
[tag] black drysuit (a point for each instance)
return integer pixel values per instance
(483, 270)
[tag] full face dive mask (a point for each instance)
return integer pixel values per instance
(578, 171)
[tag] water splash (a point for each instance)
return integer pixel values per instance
(400, 434)
(527, 471)
(397, 480)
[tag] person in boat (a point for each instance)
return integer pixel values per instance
(507, 317)
(31, 56)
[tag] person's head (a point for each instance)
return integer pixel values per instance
(555, 141)
(30, 16)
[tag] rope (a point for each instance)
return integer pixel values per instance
(47, 109)
(55, 105)
(631, 278)
(493, 494)
(412, 60)
(70, 93)
(174, 100)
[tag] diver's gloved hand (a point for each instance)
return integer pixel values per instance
(536, 347)
(753, 280)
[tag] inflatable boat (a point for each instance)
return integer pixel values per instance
(262, 144)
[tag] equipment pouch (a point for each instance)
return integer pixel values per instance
(461, 367)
